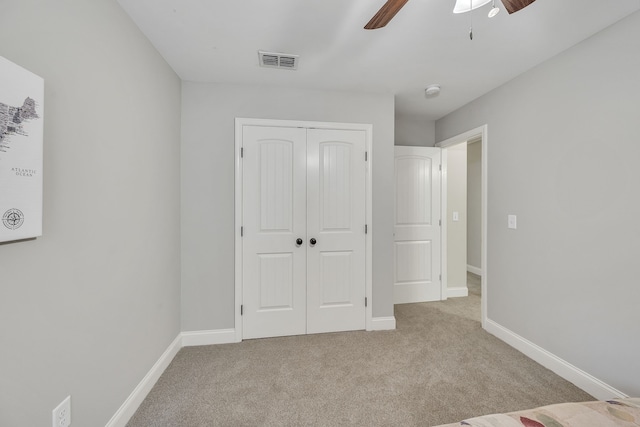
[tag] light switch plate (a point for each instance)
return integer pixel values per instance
(456, 216)
(512, 222)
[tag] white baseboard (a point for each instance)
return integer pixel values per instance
(577, 376)
(383, 323)
(457, 292)
(217, 336)
(130, 406)
(474, 270)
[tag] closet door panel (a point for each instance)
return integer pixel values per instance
(274, 217)
(336, 190)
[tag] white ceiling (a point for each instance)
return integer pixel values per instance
(217, 41)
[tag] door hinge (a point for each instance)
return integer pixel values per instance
(241, 231)
(241, 309)
(366, 302)
(440, 222)
(366, 229)
(440, 168)
(441, 277)
(241, 151)
(366, 156)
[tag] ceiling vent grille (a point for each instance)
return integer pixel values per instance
(278, 60)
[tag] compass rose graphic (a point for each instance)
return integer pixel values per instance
(13, 219)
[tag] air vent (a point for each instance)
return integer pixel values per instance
(278, 60)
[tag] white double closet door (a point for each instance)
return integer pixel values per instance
(304, 211)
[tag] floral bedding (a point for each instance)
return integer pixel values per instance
(618, 412)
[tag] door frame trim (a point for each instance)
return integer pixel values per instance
(483, 132)
(368, 129)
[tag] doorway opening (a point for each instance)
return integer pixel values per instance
(453, 150)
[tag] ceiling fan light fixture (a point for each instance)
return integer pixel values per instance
(494, 10)
(432, 91)
(463, 6)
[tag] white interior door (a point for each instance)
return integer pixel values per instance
(336, 220)
(303, 184)
(274, 217)
(417, 237)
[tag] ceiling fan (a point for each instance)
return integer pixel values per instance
(391, 7)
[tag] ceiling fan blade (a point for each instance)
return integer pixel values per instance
(513, 6)
(385, 14)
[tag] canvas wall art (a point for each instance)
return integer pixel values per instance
(21, 135)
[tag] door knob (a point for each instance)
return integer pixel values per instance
(313, 242)
(298, 241)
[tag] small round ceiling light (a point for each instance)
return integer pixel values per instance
(432, 91)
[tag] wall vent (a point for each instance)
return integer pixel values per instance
(278, 60)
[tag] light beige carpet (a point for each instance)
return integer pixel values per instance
(438, 367)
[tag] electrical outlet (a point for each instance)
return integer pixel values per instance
(62, 414)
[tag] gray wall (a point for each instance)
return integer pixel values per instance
(457, 202)
(208, 235)
(90, 306)
(414, 130)
(563, 149)
(474, 204)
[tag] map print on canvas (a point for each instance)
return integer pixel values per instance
(11, 119)
(21, 132)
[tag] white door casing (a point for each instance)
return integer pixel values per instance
(302, 183)
(417, 230)
(336, 219)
